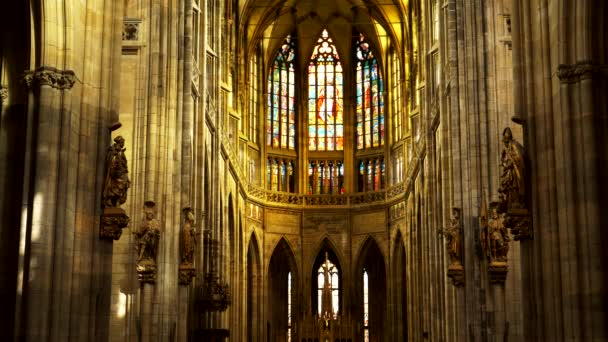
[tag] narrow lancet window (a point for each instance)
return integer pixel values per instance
(325, 99)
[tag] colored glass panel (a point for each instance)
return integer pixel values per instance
(281, 129)
(325, 99)
(369, 92)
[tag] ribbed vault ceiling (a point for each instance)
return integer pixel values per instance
(270, 21)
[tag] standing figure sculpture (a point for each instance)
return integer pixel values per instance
(148, 236)
(497, 235)
(188, 237)
(453, 237)
(512, 178)
(117, 180)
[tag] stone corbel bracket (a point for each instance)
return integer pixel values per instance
(520, 223)
(497, 271)
(572, 73)
(146, 272)
(113, 221)
(186, 273)
(49, 76)
(456, 273)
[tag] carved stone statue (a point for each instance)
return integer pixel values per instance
(512, 178)
(188, 237)
(497, 234)
(117, 180)
(453, 237)
(148, 235)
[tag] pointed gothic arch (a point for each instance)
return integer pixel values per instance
(399, 284)
(282, 270)
(326, 246)
(372, 261)
(254, 290)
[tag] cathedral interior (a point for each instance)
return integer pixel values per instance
(304, 170)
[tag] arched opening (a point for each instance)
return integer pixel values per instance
(326, 271)
(399, 288)
(370, 299)
(282, 294)
(254, 283)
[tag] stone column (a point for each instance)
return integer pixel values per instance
(147, 239)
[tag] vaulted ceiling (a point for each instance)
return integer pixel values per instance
(269, 21)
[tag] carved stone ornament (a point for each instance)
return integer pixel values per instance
(512, 189)
(116, 181)
(453, 237)
(186, 273)
(456, 273)
(497, 272)
(3, 93)
(214, 295)
(49, 76)
(147, 239)
(146, 272)
(113, 221)
(572, 73)
(130, 30)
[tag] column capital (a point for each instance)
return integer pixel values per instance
(49, 76)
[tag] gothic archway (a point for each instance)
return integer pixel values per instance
(399, 284)
(370, 265)
(254, 284)
(326, 253)
(282, 295)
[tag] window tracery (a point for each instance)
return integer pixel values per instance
(325, 97)
(281, 119)
(370, 103)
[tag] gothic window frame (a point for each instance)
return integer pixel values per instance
(281, 117)
(325, 114)
(370, 111)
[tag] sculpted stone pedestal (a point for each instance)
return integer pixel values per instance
(456, 273)
(113, 221)
(519, 222)
(146, 270)
(186, 273)
(497, 270)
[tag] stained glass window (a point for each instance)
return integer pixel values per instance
(328, 272)
(370, 103)
(371, 174)
(396, 95)
(253, 99)
(280, 174)
(326, 177)
(281, 119)
(325, 99)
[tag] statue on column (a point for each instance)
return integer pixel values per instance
(188, 245)
(453, 236)
(117, 180)
(115, 186)
(512, 187)
(495, 243)
(147, 239)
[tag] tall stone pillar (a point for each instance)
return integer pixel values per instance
(147, 239)
(187, 271)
